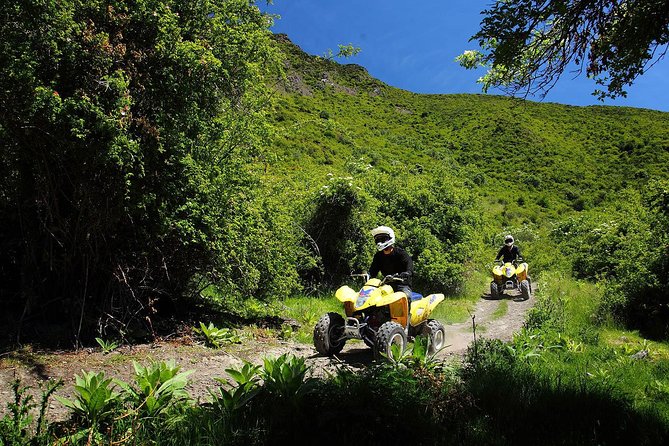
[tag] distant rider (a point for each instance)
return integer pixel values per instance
(391, 260)
(509, 251)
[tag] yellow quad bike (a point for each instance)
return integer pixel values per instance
(510, 276)
(378, 315)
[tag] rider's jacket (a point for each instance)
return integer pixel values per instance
(509, 254)
(396, 262)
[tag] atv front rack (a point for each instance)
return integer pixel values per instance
(353, 328)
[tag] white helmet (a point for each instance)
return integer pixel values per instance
(383, 237)
(508, 240)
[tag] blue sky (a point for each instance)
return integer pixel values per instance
(413, 46)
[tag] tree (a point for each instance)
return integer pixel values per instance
(528, 44)
(125, 128)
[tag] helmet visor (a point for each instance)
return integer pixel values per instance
(381, 238)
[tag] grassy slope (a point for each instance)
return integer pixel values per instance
(532, 161)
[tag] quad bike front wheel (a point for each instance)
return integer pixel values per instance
(494, 290)
(389, 334)
(525, 289)
(436, 332)
(327, 334)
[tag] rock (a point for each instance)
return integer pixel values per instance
(641, 354)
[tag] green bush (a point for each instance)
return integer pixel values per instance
(126, 131)
(157, 388)
(217, 337)
(95, 402)
(436, 220)
(337, 224)
(625, 244)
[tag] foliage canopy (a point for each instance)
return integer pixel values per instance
(528, 44)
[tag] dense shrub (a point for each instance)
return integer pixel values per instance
(626, 245)
(437, 220)
(337, 223)
(434, 220)
(124, 132)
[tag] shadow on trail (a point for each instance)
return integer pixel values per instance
(356, 357)
(505, 296)
(28, 360)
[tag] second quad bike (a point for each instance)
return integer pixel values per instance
(510, 276)
(380, 317)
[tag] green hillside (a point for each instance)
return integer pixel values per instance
(531, 161)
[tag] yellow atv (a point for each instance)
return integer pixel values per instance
(378, 315)
(510, 276)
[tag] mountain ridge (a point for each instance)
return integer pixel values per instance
(291, 50)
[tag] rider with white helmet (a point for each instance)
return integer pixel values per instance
(509, 251)
(391, 260)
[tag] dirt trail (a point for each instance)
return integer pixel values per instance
(35, 368)
(491, 322)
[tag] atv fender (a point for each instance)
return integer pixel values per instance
(421, 309)
(347, 296)
(521, 271)
(399, 310)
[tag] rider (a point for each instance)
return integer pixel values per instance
(391, 259)
(510, 252)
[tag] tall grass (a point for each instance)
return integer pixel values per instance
(306, 310)
(574, 352)
(527, 402)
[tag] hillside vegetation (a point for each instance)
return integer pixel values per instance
(552, 158)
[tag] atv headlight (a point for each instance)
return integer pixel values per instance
(362, 298)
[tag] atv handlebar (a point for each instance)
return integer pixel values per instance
(387, 279)
(363, 275)
(393, 278)
(516, 262)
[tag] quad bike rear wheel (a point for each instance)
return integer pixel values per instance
(436, 332)
(327, 334)
(389, 334)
